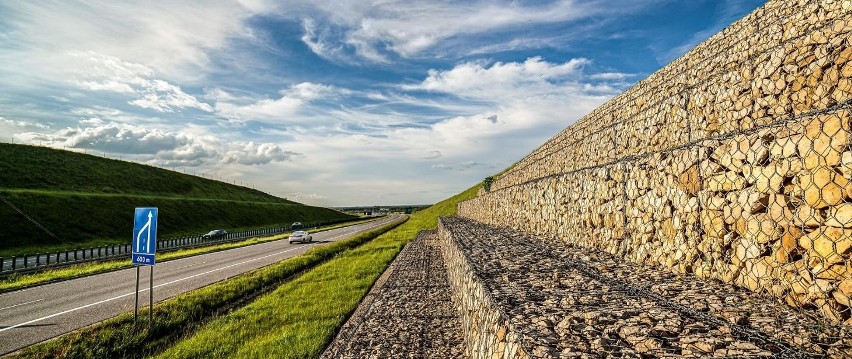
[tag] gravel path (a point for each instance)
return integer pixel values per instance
(408, 313)
(568, 301)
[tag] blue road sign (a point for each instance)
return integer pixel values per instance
(144, 236)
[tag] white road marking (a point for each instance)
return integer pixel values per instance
(20, 304)
(140, 291)
(156, 286)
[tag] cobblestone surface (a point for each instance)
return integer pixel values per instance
(567, 301)
(408, 313)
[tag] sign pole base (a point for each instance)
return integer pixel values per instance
(151, 302)
(136, 306)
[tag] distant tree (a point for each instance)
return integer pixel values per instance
(487, 183)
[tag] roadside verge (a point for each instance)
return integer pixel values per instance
(300, 318)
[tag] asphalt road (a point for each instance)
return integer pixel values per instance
(36, 314)
(73, 257)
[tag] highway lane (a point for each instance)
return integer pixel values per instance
(36, 314)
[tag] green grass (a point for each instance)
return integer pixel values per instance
(89, 201)
(42, 168)
(185, 313)
(301, 317)
(18, 281)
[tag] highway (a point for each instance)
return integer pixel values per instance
(32, 315)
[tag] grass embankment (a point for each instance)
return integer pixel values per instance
(185, 313)
(88, 201)
(301, 317)
(18, 281)
(42, 168)
(109, 220)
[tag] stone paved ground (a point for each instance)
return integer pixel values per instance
(574, 302)
(408, 313)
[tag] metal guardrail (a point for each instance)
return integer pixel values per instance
(40, 261)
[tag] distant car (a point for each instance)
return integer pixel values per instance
(216, 233)
(301, 236)
(296, 225)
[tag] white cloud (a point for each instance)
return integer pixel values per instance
(610, 76)
(299, 196)
(282, 109)
(158, 146)
(319, 41)
(431, 155)
(257, 154)
(23, 124)
(463, 166)
(112, 137)
(102, 113)
(173, 37)
(409, 28)
(533, 77)
(107, 73)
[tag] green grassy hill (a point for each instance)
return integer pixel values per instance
(88, 200)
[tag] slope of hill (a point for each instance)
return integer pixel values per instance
(83, 198)
(41, 168)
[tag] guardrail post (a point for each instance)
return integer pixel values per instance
(2, 262)
(26, 260)
(38, 259)
(13, 263)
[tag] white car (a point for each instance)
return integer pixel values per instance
(301, 236)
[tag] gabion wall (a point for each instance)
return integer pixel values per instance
(733, 162)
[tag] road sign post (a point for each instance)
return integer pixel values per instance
(136, 305)
(143, 253)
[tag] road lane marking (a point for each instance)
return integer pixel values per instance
(140, 291)
(20, 304)
(156, 286)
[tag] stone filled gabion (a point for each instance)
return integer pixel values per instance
(732, 163)
(522, 296)
(408, 313)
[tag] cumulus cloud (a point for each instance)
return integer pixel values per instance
(477, 79)
(257, 154)
(163, 147)
(111, 137)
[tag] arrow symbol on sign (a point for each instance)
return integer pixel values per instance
(149, 231)
(148, 226)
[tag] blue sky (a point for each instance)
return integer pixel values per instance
(330, 103)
